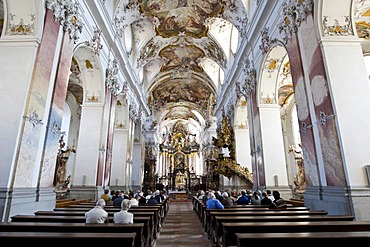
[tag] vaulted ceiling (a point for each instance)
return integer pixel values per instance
(181, 50)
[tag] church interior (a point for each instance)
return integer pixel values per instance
(185, 96)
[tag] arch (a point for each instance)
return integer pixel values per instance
(242, 137)
(274, 64)
(86, 98)
(91, 76)
(274, 93)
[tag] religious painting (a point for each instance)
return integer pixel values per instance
(178, 90)
(186, 57)
(181, 16)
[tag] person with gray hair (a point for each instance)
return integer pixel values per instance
(123, 216)
(97, 214)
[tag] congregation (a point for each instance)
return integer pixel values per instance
(217, 199)
(211, 199)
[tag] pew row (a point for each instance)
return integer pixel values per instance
(211, 226)
(72, 224)
(230, 229)
(150, 230)
(58, 227)
(299, 238)
(156, 209)
(125, 239)
(217, 231)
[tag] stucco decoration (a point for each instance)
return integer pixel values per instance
(294, 13)
(67, 13)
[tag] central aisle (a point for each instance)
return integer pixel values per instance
(181, 228)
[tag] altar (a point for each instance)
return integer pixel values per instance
(178, 195)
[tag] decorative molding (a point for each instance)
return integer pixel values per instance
(95, 42)
(323, 118)
(304, 128)
(267, 99)
(20, 28)
(111, 78)
(247, 87)
(67, 13)
(266, 42)
(337, 29)
(294, 13)
(91, 97)
(33, 119)
(243, 27)
(55, 128)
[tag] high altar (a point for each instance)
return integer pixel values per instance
(179, 154)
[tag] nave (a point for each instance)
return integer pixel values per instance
(181, 228)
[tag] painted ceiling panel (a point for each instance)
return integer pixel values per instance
(183, 47)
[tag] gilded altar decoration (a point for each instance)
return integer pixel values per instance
(224, 133)
(226, 164)
(230, 168)
(179, 150)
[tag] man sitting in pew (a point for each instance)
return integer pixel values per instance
(97, 214)
(123, 216)
(278, 201)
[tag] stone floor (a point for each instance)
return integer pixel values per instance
(181, 228)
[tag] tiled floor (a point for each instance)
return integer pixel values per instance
(181, 228)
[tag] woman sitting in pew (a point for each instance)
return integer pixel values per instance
(123, 216)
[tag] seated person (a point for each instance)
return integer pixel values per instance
(213, 202)
(278, 201)
(105, 196)
(152, 200)
(244, 199)
(123, 216)
(227, 202)
(117, 201)
(97, 214)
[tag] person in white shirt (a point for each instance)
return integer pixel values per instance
(123, 216)
(97, 214)
(135, 200)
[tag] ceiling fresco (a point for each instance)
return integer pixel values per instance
(182, 91)
(182, 16)
(186, 57)
(183, 49)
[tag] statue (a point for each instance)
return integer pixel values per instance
(300, 178)
(60, 181)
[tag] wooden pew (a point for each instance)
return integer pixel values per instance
(142, 229)
(70, 202)
(211, 213)
(204, 211)
(58, 227)
(125, 239)
(163, 207)
(217, 232)
(154, 210)
(139, 217)
(230, 229)
(299, 238)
